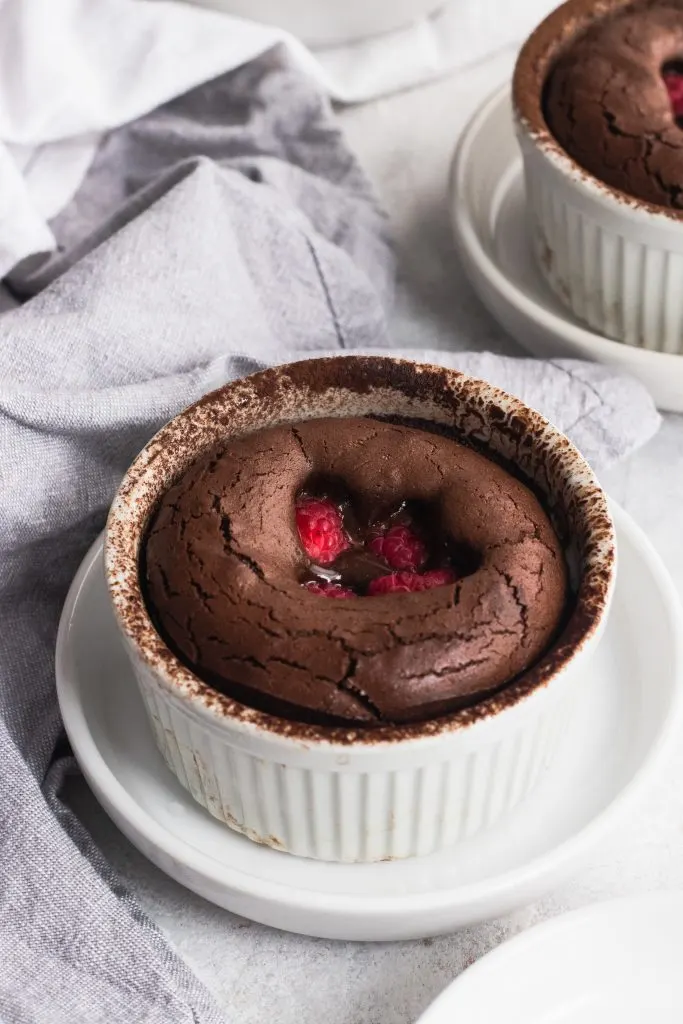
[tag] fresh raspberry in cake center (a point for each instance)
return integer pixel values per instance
(672, 73)
(351, 559)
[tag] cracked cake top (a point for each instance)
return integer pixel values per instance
(613, 97)
(452, 578)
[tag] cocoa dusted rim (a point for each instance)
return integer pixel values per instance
(534, 63)
(357, 386)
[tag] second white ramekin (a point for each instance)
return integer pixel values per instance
(338, 793)
(322, 23)
(616, 262)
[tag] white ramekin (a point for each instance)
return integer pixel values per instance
(338, 793)
(322, 23)
(616, 262)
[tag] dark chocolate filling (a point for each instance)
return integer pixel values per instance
(222, 567)
(607, 102)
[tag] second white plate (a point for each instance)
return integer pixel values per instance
(632, 693)
(489, 222)
(617, 962)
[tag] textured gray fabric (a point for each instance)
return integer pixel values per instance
(264, 120)
(189, 259)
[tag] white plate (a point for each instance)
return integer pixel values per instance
(632, 694)
(612, 963)
(488, 213)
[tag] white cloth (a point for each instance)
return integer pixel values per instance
(72, 69)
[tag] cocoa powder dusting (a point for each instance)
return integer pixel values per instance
(350, 387)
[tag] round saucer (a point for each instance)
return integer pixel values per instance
(612, 961)
(489, 221)
(632, 693)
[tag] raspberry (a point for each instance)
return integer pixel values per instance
(674, 85)
(328, 589)
(396, 583)
(400, 548)
(409, 582)
(438, 578)
(321, 529)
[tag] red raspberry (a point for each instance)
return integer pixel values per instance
(409, 582)
(438, 578)
(321, 529)
(674, 85)
(328, 589)
(396, 583)
(400, 548)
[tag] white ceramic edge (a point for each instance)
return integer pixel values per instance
(615, 263)
(340, 915)
(363, 803)
(441, 1009)
(182, 683)
(507, 302)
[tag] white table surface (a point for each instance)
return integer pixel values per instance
(259, 974)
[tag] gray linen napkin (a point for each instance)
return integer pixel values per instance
(228, 230)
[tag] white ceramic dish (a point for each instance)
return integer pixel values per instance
(489, 219)
(321, 23)
(348, 794)
(617, 962)
(626, 717)
(615, 261)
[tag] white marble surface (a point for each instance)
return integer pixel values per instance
(259, 974)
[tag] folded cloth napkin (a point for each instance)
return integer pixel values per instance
(72, 69)
(227, 230)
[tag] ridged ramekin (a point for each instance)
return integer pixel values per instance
(348, 794)
(615, 261)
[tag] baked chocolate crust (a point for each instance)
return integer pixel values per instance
(593, 72)
(223, 566)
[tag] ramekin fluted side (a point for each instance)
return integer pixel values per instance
(331, 809)
(394, 791)
(623, 281)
